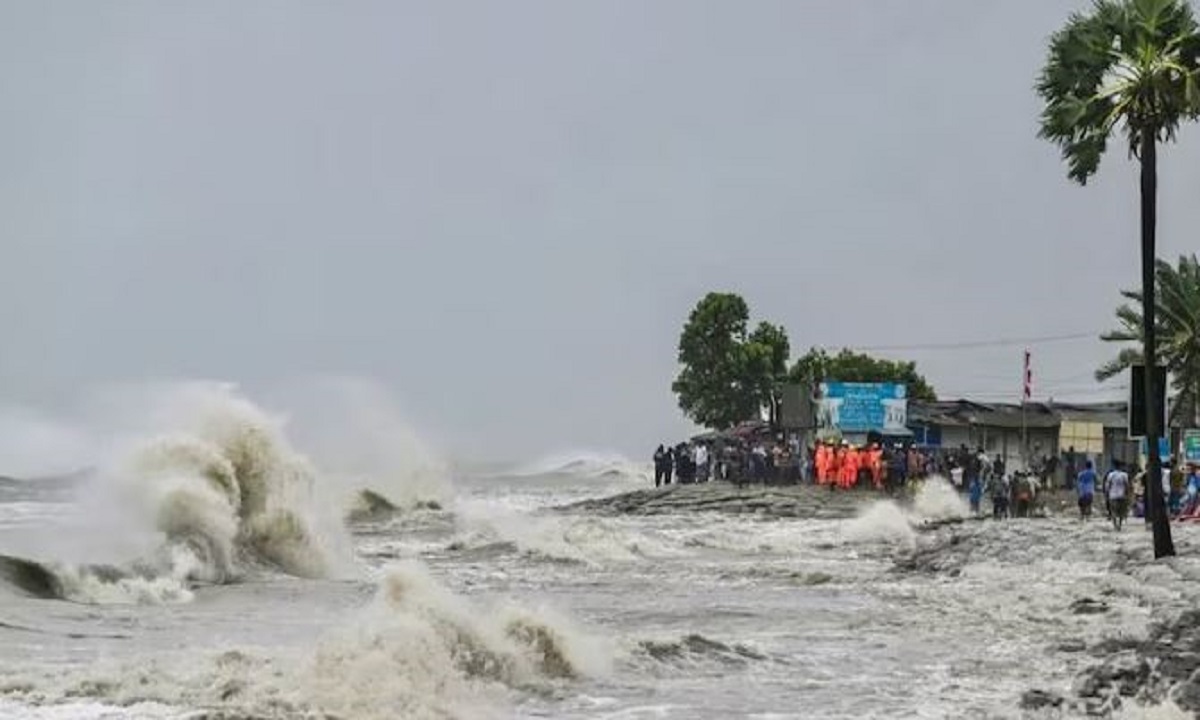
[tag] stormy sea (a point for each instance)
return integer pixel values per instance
(217, 560)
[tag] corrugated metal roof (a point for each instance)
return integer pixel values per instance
(1011, 415)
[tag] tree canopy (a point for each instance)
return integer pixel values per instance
(848, 366)
(1177, 316)
(1129, 66)
(728, 374)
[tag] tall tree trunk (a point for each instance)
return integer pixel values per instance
(1155, 502)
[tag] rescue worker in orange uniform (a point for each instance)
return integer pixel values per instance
(822, 459)
(875, 463)
(835, 468)
(850, 466)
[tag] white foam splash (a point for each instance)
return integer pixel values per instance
(585, 464)
(355, 433)
(937, 500)
(572, 538)
(416, 651)
(207, 489)
(886, 521)
(1165, 711)
(882, 521)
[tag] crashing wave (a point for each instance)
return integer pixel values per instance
(224, 494)
(371, 506)
(583, 464)
(415, 651)
(886, 521)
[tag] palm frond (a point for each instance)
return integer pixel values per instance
(1128, 64)
(1119, 364)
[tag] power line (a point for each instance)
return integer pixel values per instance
(981, 343)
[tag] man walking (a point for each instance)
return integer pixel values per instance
(1116, 489)
(1085, 487)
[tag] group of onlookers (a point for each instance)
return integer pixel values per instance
(1122, 494)
(837, 464)
(685, 463)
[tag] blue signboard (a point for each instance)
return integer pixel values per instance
(863, 407)
(1164, 448)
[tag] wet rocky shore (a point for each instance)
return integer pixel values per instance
(1158, 667)
(781, 501)
(1119, 670)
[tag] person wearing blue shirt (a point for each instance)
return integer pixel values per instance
(1085, 485)
(976, 494)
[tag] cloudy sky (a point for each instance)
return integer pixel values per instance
(503, 212)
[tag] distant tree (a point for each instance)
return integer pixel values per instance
(767, 353)
(848, 366)
(728, 375)
(1177, 321)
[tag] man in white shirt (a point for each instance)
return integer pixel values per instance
(956, 476)
(702, 463)
(1116, 489)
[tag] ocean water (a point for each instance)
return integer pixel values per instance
(213, 568)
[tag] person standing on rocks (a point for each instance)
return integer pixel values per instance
(956, 475)
(976, 494)
(1001, 493)
(1085, 487)
(898, 470)
(702, 463)
(1023, 489)
(1116, 489)
(661, 462)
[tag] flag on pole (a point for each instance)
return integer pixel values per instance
(1027, 391)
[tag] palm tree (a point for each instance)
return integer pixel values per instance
(1177, 325)
(1128, 66)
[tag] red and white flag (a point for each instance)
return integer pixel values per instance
(1027, 391)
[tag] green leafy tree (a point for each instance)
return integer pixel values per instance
(1177, 323)
(1130, 67)
(728, 374)
(767, 352)
(848, 366)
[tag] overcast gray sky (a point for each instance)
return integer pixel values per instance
(503, 212)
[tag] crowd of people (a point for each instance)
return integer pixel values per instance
(1123, 494)
(841, 465)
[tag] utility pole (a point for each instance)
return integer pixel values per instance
(1026, 394)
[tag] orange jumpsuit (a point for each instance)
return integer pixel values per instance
(835, 468)
(821, 460)
(876, 464)
(850, 465)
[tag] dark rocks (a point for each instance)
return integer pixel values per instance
(943, 554)
(1124, 674)
(789, 501)
(1164, 665)
(1041, 700)
(1088, 606)
(1071, 646)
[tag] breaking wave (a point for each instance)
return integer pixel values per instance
(365, 449)
(585, 540)
(584, 464)
(938, 501)
(203, 486)
(415, 651)
(213, 492)
(887, 521)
